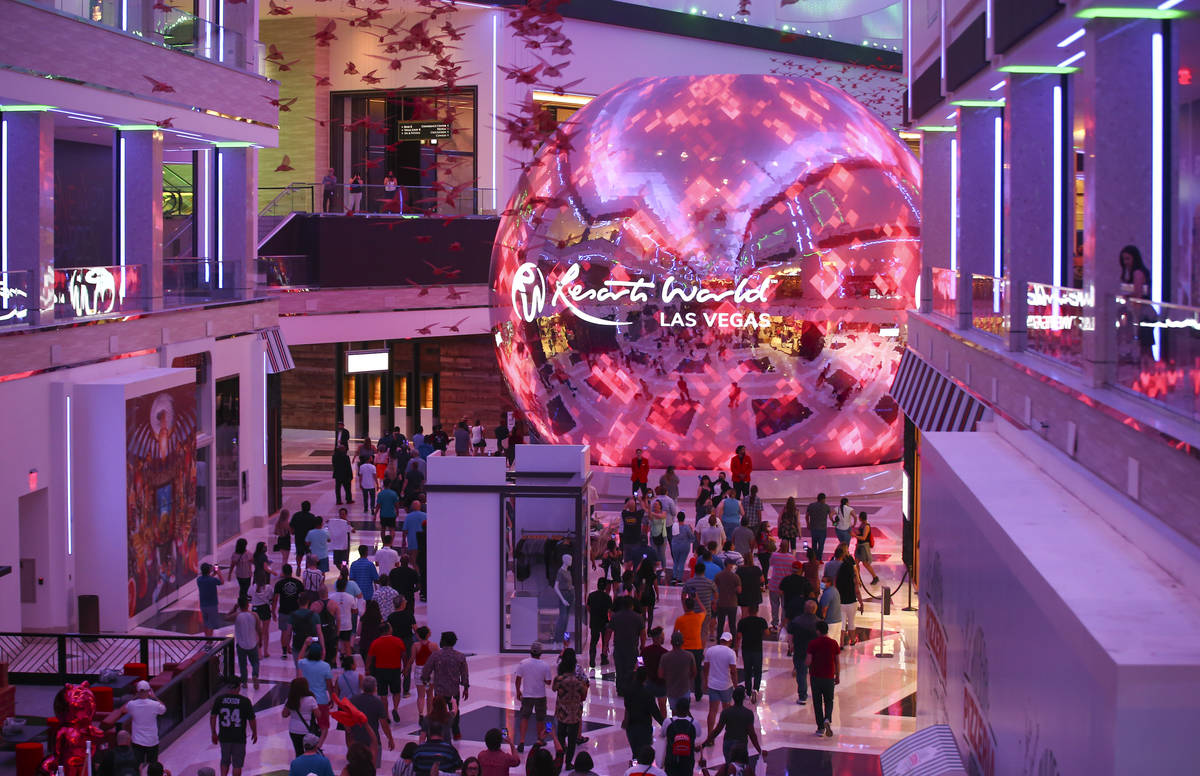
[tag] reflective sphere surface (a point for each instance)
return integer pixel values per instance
(702, 262)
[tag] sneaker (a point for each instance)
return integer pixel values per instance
(395, 715)
(520, 747)
(802, 701)
(828, 731)
(820, 731)
(875, 581)
(581, 740)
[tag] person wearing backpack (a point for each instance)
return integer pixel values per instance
(680, 733)
(866, 540)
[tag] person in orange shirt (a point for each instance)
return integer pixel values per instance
(740, 467)
(640, 471)
(690, 624)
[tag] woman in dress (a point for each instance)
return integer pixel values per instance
(241, 564)
(862, 552)
(789, 526)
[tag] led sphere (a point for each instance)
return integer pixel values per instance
(699, 262)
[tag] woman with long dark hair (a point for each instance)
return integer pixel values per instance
(369, 626)
(646, 588)
(241, 565)
(300, 710)
(789, 526)
(359, 760)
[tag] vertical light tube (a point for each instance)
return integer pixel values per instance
(495, 111)
(1157, 66)
(70, 508)
(1056, 185)
(220, 236)
(4, 204)
(266, 425)
(121, 176)
(1156, 166)
(908, 54)
(989, 19)
(205, 216)
(953, 203)
(997, 211)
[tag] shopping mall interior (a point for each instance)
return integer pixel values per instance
(599, 387)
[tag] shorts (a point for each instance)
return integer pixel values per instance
(233, 754)
(264, 612)
(345, 635)
(656, 690)
(211, 616)
(863, 553)
(387, 522)
(535, 707)
(481, 444)
(631, 553)
(724, 696)
(285, 620)
(390, 680)
(848, 615)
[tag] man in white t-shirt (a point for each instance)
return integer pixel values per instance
(345, 606)
(533, 677)
(339, 538)
(386, 558)
(720, 677)
(366, 481)
(143, 712)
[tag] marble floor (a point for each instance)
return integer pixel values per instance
(875, 704)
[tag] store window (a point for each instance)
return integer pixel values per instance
(425, 137)
(228, 426)
(401, 390)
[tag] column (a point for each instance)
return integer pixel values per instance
(977, 201)
(138, 204)
(1035, 221)
(28, 228)
(936, 209)
(237, 219)
(1115, 81)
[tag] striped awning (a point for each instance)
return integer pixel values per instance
(930, 751)
(933, 401)
(279, 358)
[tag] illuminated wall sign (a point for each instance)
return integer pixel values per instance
(359, 361)
(1053, 308)
(84, 292)
(529, 291)
(422, 130)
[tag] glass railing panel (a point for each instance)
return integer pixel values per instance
(988, 313)
(14, 298)
(95, 292)
(197, 280)
(1056, 318)
(1158, 353)
(945, 292)
(286, 271)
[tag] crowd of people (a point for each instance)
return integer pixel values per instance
(350, 630)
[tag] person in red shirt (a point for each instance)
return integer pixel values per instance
(640, 471)
(385, 662)
(740, 467)
(823, 674)
(492, 760)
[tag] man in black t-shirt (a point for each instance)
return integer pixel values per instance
(599, 605)
(404, 579)
(403, 624)
(231, 712)
(301, 523)
(632, 519)
(750, 632)
(285, 601)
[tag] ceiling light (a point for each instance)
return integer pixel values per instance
(936, 128)
(1038, 69)
(1074, 36)
(998, 86)
(1072, 59)
(979, 103)
(1162, 14)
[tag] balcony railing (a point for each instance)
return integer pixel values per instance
(294, 271)
(945, 292)
(345, 197)
(1055, 320)
(174, 29)
(988, 300)
(1158, 353)
(198, 280)
(14, 298)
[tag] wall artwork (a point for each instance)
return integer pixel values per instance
(161, 500)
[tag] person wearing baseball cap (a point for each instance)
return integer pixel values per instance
(312, 762)
(533, 676)
(795, 589)
(720, 676)
(143, 713)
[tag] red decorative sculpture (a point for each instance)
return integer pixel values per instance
(75, 708)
